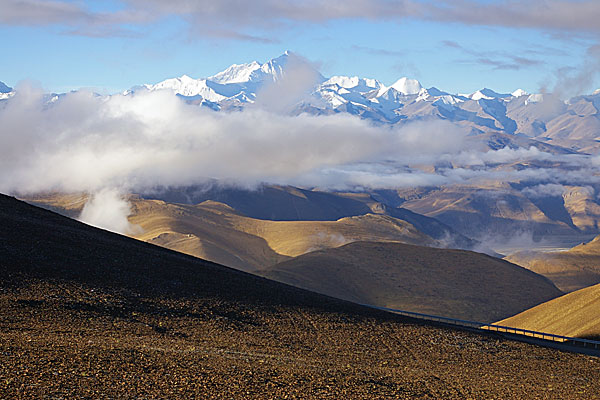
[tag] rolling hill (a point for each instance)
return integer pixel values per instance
(288, 203)
(211, 230)
(575, 314)
(570, 270)
(87, 313)
(217, 232)
(452, 283)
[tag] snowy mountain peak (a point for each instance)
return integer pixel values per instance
(189, 87)
(253, 71)
(353, 82)
(345, 82)
(273, 69)
(4, 88)
(487, 94)
(239, 82)
(237, 73)
(597, 91)
(407, 86)
(519, 93)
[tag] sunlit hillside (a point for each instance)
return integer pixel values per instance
(570, 270)
(575, 314)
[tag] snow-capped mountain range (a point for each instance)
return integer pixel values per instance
(240, 84)
(237, 85)
(572, 125)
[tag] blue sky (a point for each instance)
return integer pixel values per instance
(458, 46)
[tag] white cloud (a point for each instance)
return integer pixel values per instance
(234, 19)
(107, 209)
(292, 87)
(83, 142)
(544, 190)
(119, 144)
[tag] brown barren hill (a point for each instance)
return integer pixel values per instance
(570, 270)
(453, 283)
(258, 243)
(576, 314)
(216, 232)
(85, 313)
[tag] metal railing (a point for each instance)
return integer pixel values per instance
(566, 340)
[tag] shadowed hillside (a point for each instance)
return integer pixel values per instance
(497, 212)
(89, 314)
(452, 283)
(288, 203)
(575, 314)
(277, 203)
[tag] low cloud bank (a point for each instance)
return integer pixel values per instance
(81, 142)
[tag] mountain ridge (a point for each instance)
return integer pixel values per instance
(573, 124)
(485, 110)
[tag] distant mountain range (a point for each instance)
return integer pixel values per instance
(540, 118)
(573, 124)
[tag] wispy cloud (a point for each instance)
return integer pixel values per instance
(74, 17)
(36, 12)
(573, 81)
(496, 60)
(578, 15)
(84, 142)
(235, 19)
(378, 52)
